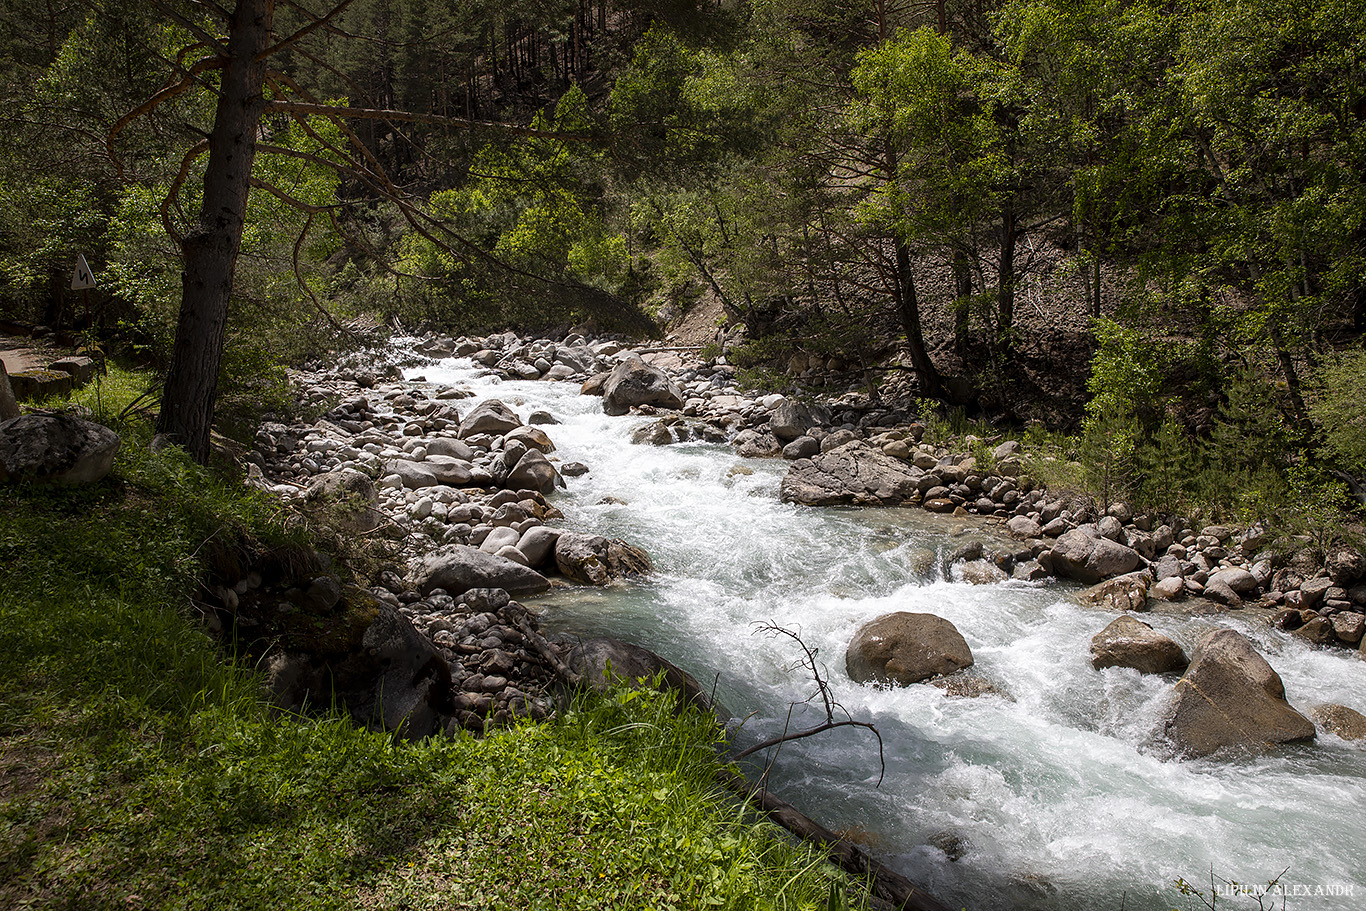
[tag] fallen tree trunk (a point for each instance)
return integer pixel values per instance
(885, 883)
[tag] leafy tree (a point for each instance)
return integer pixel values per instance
(1337, 404)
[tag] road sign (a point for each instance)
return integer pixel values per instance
(83, 279)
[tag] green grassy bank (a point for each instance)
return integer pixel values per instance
(139, 768)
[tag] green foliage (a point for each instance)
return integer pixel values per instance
(1246, 451)
(1337, 405)
(1126, 372)
(1126, 375)
(537, 206)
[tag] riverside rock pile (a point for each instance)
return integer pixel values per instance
(463, 497)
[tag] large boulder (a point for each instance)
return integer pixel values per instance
(1239, 581)
(491, 417)
(348, 497)
(533, 472)
(415, 475)
(455, 449)
(457, 569)
(449, 470)
(634, 382)
(537, 544)
(1345, 565)
(397, 681)
(854, 474)
(905, 648)
(1128, 642)
(1128, 592)
(583, 558)
(372, 661)
(1083, 554)
(603, 662)
(55, 448)
(789, 420)
(1231, 697)
(532, 438)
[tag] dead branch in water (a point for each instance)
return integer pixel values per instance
(827, 700)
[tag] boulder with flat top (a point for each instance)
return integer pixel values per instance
(855, 474)
(634, 382)
(1231, 697)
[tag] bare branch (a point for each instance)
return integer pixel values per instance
(828, 701)
(304, 32)
(184, 84)
(197, 150)
(350, 113)
(289, 200)
(189, 25)
(303, 283)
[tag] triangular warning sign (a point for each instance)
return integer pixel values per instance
(83, 278)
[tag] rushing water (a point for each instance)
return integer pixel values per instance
(1055, 795)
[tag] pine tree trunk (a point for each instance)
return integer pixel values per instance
(210, 249)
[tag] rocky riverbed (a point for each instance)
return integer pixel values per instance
(468, 500)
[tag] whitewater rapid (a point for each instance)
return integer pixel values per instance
(1052, 795)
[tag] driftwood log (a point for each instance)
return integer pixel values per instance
(885, 883)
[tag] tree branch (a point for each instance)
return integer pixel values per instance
(184, 84)
(301, 34)
(197, 150)
(828, 701)
(350, 113)
(208, 38)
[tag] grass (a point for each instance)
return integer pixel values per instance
(139, 767)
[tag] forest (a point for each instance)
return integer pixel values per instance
(1141, 223)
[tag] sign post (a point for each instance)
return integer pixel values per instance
(83, 280)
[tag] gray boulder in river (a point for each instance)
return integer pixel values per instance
(457, 569)
(1128, 642)
(905, 648)
(1087, 556)
(582, 557)
(491, 417)
(634, 382)
(1231, 697)
(854, 474)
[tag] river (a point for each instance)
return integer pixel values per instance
(1054, 795)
